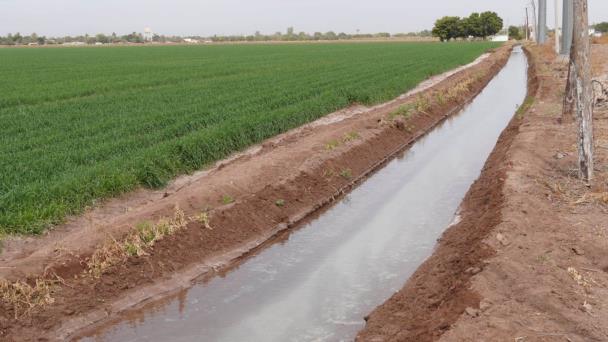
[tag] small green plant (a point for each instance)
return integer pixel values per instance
(329, 173)
(203, 219)
(528, 102)
(332, 145)
(146, 231)
(280, 203)
(133, 249)
(406, 110)
(346, 174)
(348, 137)
(440, 98)
(227, 199)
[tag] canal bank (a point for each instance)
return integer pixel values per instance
(322, 280)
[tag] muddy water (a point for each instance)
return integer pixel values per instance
(320, 282)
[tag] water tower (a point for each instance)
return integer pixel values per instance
(147, 34)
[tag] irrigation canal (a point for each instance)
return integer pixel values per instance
(324, 278)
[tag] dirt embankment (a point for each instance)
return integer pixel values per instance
(224, 212)
(528, 260)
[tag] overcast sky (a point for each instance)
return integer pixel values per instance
(208, 17)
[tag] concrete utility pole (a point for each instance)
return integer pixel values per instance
(527, 26)
(583, 99)
(542, 22)
(557, 30)
(567, 24)
(534, 33)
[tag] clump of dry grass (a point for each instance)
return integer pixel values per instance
(106, 256)
(597, 197)
(23, 297)
(202, 218)
(422, 104)
(600, 40)
(577, 277)
(460, 89)
(147, 234)
(332, 145)
(350, 136)
(138, 242)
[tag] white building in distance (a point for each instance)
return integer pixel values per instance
(148, 34)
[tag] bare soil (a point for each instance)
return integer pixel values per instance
(528, 260)
(249, 199)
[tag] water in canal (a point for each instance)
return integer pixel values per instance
(320, 282)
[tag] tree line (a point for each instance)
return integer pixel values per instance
(137, 38)
(291, 35)
(601, 27)
(477, 25)
(134, 37)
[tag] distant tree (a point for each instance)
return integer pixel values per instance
(331, 35)
(317, 36)
(476, 25)
(425, 33)
(515, 33)
(491, 24)
(102, 38)
(383, 35)
(91, 39)
(17, 38)
(447, 28)
(602, 27)
(290, 35)
(471, 26)
(8, 40)
(133, 37)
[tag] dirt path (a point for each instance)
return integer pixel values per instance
(528, 260)
(223, 213)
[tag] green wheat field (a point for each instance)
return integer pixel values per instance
(84, 124)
